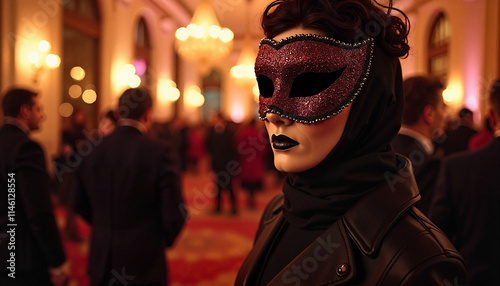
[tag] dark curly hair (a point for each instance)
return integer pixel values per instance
(345, 20)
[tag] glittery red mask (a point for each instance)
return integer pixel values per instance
(309, 78)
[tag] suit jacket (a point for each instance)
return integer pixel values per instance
(37, 241)
(381, 240)
(425, 167)
(220, 146)
(129, 190)
(457, 139)
(466, 208)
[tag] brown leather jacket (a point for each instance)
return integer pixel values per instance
(382, 240)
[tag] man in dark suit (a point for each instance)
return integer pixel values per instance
(424, 119)
(466, 203)
(458, 134)
(129, 190)
(31, 252)
(220, 145)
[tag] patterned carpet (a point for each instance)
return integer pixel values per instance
(211, 247)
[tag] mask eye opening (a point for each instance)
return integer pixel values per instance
(266, 86)
(311, 83)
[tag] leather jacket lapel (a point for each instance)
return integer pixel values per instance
(381, 208)
(265, 239)
(327, 261)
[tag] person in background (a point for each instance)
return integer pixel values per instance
(482, 137)
(28, 231)
(220, 146)
(129, 190)
(331, 98)
(107, 124)
(458, 133)
(75, 129)
(252, 152)
(195, 148)
(424, 118)
(74, 136)
(465, 204)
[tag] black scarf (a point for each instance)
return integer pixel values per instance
(316, 198)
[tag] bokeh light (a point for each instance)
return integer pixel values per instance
(53, 61)
(77, 73)
(75, 91)
(140, 66)
(194, 96)
(126, 72)
(43, 46)
(66, 109)
(89, 96)
(134, 81)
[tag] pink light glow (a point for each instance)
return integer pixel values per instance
(473, 47)
(140, 66)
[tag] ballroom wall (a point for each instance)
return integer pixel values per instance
(474, 48)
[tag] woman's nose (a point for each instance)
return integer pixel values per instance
(277, 119)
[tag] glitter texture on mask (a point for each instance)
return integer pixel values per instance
(282, 62)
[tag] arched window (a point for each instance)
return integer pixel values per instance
(438, 47)
(81, 33)
(142, 51)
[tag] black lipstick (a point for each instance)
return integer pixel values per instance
(282, 142)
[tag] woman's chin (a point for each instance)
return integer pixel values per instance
(290, 165)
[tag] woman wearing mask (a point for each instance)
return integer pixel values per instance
(331, 98)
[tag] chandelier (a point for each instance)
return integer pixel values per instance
(203, 41)
(243, 72)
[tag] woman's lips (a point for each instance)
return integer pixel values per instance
(282, 142)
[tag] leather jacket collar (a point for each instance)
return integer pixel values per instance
(330, 257)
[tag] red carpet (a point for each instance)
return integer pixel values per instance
(209, 250)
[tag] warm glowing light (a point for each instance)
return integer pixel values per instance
(256, 93)
(75, 91)
(41, 60)
(33, 57)
(214, 31)
(190, 28)
(226, 35)
(77, 73)
(453, 93)
(448, 95)
(89, 96)
(167, 90)
(129, 69)
(237, 113)
(203, 40)
(174, 94)
(125, 74)
(140, 66)
(53, 61)
(243, 71)
(43, 46)
(194, 96)
(66, 109)
(198, 32)
(182, 33)
(134, 81)
(194, 88)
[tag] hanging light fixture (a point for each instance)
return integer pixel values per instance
(243, 72)
(203, 41)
